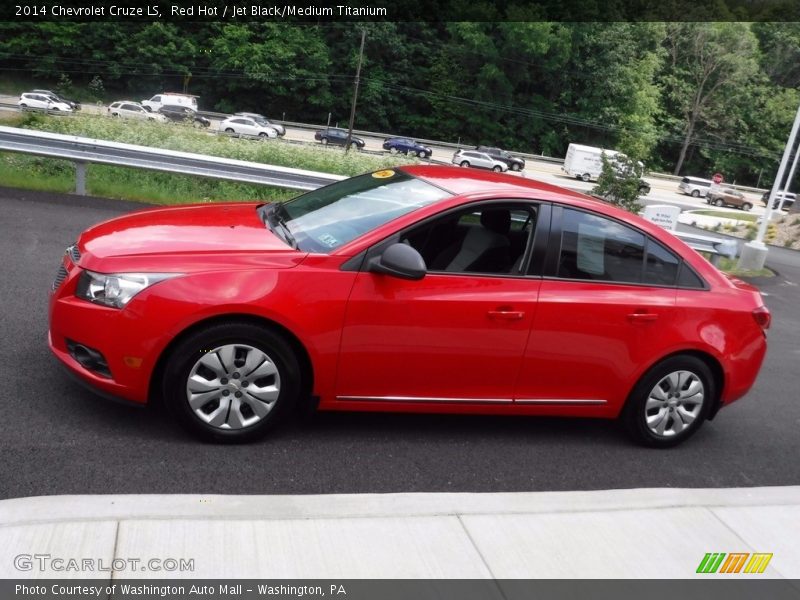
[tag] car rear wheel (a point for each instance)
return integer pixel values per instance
(585, 177)
(231, 382)
(719, 202)
(747, 206)
(695, 193)
(670, 403)
(229, 130)
(464, 163)
(263, 135)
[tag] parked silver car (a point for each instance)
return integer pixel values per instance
(247, 126)
(480, 160)
(695, 186)
(127, 109)
(262, 120)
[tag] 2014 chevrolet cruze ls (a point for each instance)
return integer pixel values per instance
(428, 289)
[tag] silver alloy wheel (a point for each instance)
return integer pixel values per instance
(674, 403)
(233, 386)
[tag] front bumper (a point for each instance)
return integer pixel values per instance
(111, 332)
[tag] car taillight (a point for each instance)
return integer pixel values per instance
(762, 317)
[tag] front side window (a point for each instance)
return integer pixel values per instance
(327, 218)
(489, 239)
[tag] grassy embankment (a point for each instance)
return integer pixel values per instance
(38, 173)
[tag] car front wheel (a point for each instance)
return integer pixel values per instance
(229, 130)
(670, 403)
(354, 145)
(585, 177)
(497, 168)
(516, 167)
(231, 382)
(747, 206)
(392, 150)
(324, 141)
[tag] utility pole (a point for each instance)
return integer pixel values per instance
(754, 254)
(788, 186)
(355, 92)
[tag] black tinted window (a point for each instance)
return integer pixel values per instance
(597, 248)
(688, 278)
(661, 266)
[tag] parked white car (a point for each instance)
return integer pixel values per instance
(481, 160)
(126, 109)
(31, 101)
(247, 126)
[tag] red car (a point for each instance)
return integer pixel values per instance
(418, 289)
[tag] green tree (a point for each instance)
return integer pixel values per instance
(618, 182)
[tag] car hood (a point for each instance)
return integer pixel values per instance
(181, 238)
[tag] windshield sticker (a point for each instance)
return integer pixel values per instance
(383, 174)
(328, 240)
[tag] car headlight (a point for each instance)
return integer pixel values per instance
(115, 290)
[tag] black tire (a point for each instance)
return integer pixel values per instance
(189, 351)
(23, 106)
(586, 177)
(747, 206)
(229, 130)
(719, 202)
(354, 146)
(634, 415)
(516, 167)
(324, 141)
(695, 193)
(420, 154)
(497, 169)
(393, 150)
(464, 163)
(263, 135)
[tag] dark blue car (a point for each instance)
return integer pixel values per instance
(407, 146)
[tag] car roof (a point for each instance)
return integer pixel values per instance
(466, 181)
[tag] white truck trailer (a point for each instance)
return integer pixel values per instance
(585, 162)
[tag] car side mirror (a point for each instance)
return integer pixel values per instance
(399, 260)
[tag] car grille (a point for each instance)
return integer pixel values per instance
(61, 275)
(74, 253)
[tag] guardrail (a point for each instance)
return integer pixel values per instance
(83, 151)
(713, 246)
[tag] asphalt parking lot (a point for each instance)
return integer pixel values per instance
(57, 438)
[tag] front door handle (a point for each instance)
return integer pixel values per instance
(506, 315)
(642, 317)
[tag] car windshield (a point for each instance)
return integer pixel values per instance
(327, 218)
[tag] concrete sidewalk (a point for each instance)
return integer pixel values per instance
(648, 533)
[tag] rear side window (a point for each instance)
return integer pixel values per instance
(596, 248)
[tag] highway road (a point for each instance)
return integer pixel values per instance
(57, 438)
(663, 191)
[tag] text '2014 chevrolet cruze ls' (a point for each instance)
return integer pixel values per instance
(427, 289)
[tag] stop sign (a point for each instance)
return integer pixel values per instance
(717, 178)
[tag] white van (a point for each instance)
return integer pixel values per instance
(586, 162)
(170, 99)
(695, 186)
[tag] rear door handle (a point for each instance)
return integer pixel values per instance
(642, 317)
(506, 315)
